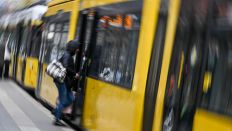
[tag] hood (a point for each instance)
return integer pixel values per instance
(72, 46)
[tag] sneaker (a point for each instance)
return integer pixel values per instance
(58, 123)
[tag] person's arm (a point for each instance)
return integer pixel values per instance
(68, 63)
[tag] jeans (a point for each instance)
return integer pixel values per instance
(65, 98)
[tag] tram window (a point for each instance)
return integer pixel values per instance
(218, 95)
(114, 55)
(36, 42)
(13, 40)
(57, 35)
(217, 88)
(49, 37)
(1, 37)
(63, 40)
(23, 44)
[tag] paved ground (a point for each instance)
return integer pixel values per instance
(20, 112)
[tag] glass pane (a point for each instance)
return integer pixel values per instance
(114, 55)
(217, 93)
(58, 27)
(55, 42)
(57, 38)
(36, 42)
(23, 43)
(52, 27)
(63, 42)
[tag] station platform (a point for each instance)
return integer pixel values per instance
(21, 112)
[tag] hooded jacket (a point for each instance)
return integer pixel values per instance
(68, 62)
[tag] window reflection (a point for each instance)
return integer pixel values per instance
(55, 41)
(114, 54)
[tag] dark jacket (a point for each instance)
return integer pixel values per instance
(68, 62)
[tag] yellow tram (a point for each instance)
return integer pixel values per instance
(25, 41)
(145, 64)
(28, 48)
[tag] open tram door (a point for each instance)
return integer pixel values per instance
(86, 22)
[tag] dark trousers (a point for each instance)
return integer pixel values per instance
(1, 71)
(6, 68)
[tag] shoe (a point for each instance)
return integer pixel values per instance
(53, 112)
(58, 123)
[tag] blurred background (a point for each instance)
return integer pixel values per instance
(141, 65)
(7, 6)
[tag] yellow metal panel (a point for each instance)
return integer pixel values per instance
(207, 121)
(19, 69)
(65, 7)
(30, 79)
(108, 107)
(73, 20)
(36, 22)
(93, 3)
(181, 68)
(55, 2)
(207, 81)
(73, 8)
(48, 91)
(170, 35)
(11, 66)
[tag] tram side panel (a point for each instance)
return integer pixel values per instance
(55, 46)
(32, 59)
(117, 74)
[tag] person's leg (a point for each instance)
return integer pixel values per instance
(62, 99)
(69, 98)
(1, 71)
(6, 65)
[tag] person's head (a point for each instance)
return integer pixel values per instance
(73, 46)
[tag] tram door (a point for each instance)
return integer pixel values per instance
(55, 36)
(185, 67)
(84, 35)
(31, 67)
(13, 46)
(21, 54)
(80, 63)
(16, 45)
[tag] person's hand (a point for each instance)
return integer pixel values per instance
(77, 76)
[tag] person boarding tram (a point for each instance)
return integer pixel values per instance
(6, 60)
(65, 94)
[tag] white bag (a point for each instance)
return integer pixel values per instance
(56, 70)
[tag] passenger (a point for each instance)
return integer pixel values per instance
(66, 96)
(2, 52)
(6, 60)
